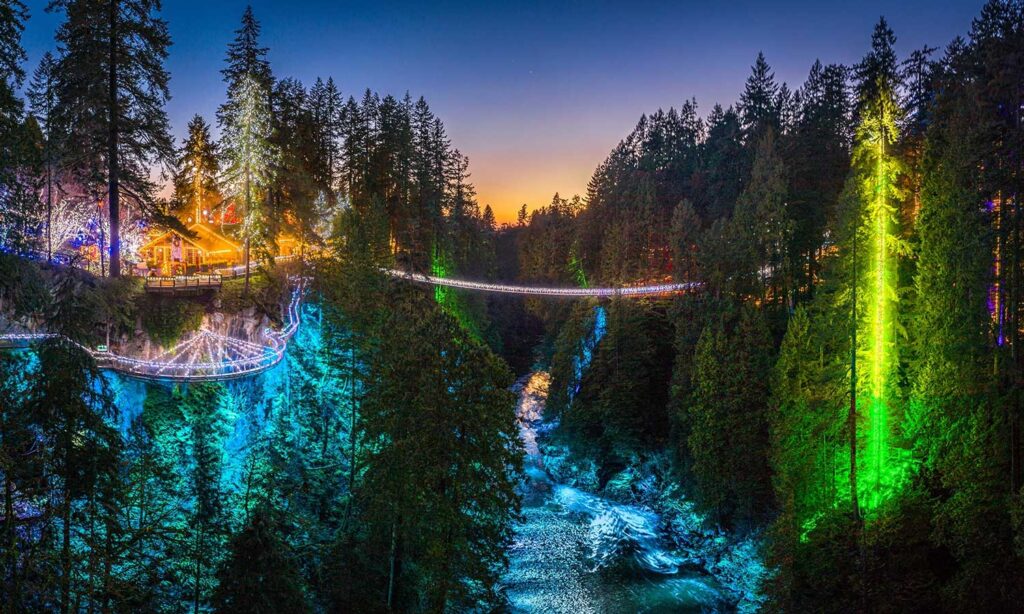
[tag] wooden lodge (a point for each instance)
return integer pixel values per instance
(172, 253)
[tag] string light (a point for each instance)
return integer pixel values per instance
(544, 291)
(205, 356)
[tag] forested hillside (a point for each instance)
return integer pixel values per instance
(847, 382)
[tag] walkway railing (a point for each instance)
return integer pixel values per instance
(203, 356)
(168, 283)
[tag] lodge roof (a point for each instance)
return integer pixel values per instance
(206, 239)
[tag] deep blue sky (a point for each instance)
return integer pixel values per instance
(535, 93)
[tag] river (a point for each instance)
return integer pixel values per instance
(578, 552)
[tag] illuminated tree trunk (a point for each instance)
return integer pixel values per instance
(851, 420)
(248, 207)
(113, 167)
(877, 448)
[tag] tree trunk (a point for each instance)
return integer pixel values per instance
(65, 551)
(108, 562)
(851, 418)
(11, 541)
(245, 226)
(392, 560)
(49, 203)
(198, 570)
(113, 167)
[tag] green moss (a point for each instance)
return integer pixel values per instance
(166, 319)
(265, 293)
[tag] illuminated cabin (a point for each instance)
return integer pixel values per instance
(172, 253)
(287, 245)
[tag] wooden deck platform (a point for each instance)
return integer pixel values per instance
(184, 284)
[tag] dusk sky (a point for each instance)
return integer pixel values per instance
(536, 94)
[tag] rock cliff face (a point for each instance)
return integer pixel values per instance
(246, 325)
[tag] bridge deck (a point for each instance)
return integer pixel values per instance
(184, 284)
(624, 291)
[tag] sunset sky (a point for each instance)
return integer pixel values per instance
(536, 94)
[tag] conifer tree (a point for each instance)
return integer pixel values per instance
(249, 156)
(112, 88)
(195, 183)
(17, 211)
(246, 124)
(42, 96)
(759, 102)
(724, 165)
(259, 575)
(818, 160)
(327, 109)
(439, 482)
(728, 439)
(13, 15)
(876, 169)
(207, 523)
(765, 225)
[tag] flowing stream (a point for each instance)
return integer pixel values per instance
(580, 553)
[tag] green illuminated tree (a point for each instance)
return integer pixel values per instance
(877, 169)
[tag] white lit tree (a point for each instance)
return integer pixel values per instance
(249, 156)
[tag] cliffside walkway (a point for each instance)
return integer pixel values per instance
(209, 356)
(202, 356)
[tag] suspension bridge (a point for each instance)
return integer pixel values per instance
(208, 356)
(610, 292)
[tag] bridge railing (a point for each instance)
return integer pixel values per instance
(205, 356)
(545, 291)
(184, 282)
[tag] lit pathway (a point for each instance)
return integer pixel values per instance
(202, 356)
(209, 356)
(542, 291)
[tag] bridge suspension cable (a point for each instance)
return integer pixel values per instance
(544, 291)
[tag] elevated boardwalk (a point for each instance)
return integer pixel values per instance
(200, 282)
(201, 357)
(184, 284)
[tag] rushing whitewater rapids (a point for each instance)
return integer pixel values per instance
(576, 552)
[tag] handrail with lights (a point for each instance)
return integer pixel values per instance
(542, 291)
(203, 356)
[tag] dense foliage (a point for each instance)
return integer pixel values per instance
(847, 382)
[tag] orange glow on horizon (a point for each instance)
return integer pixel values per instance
(507, 180)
